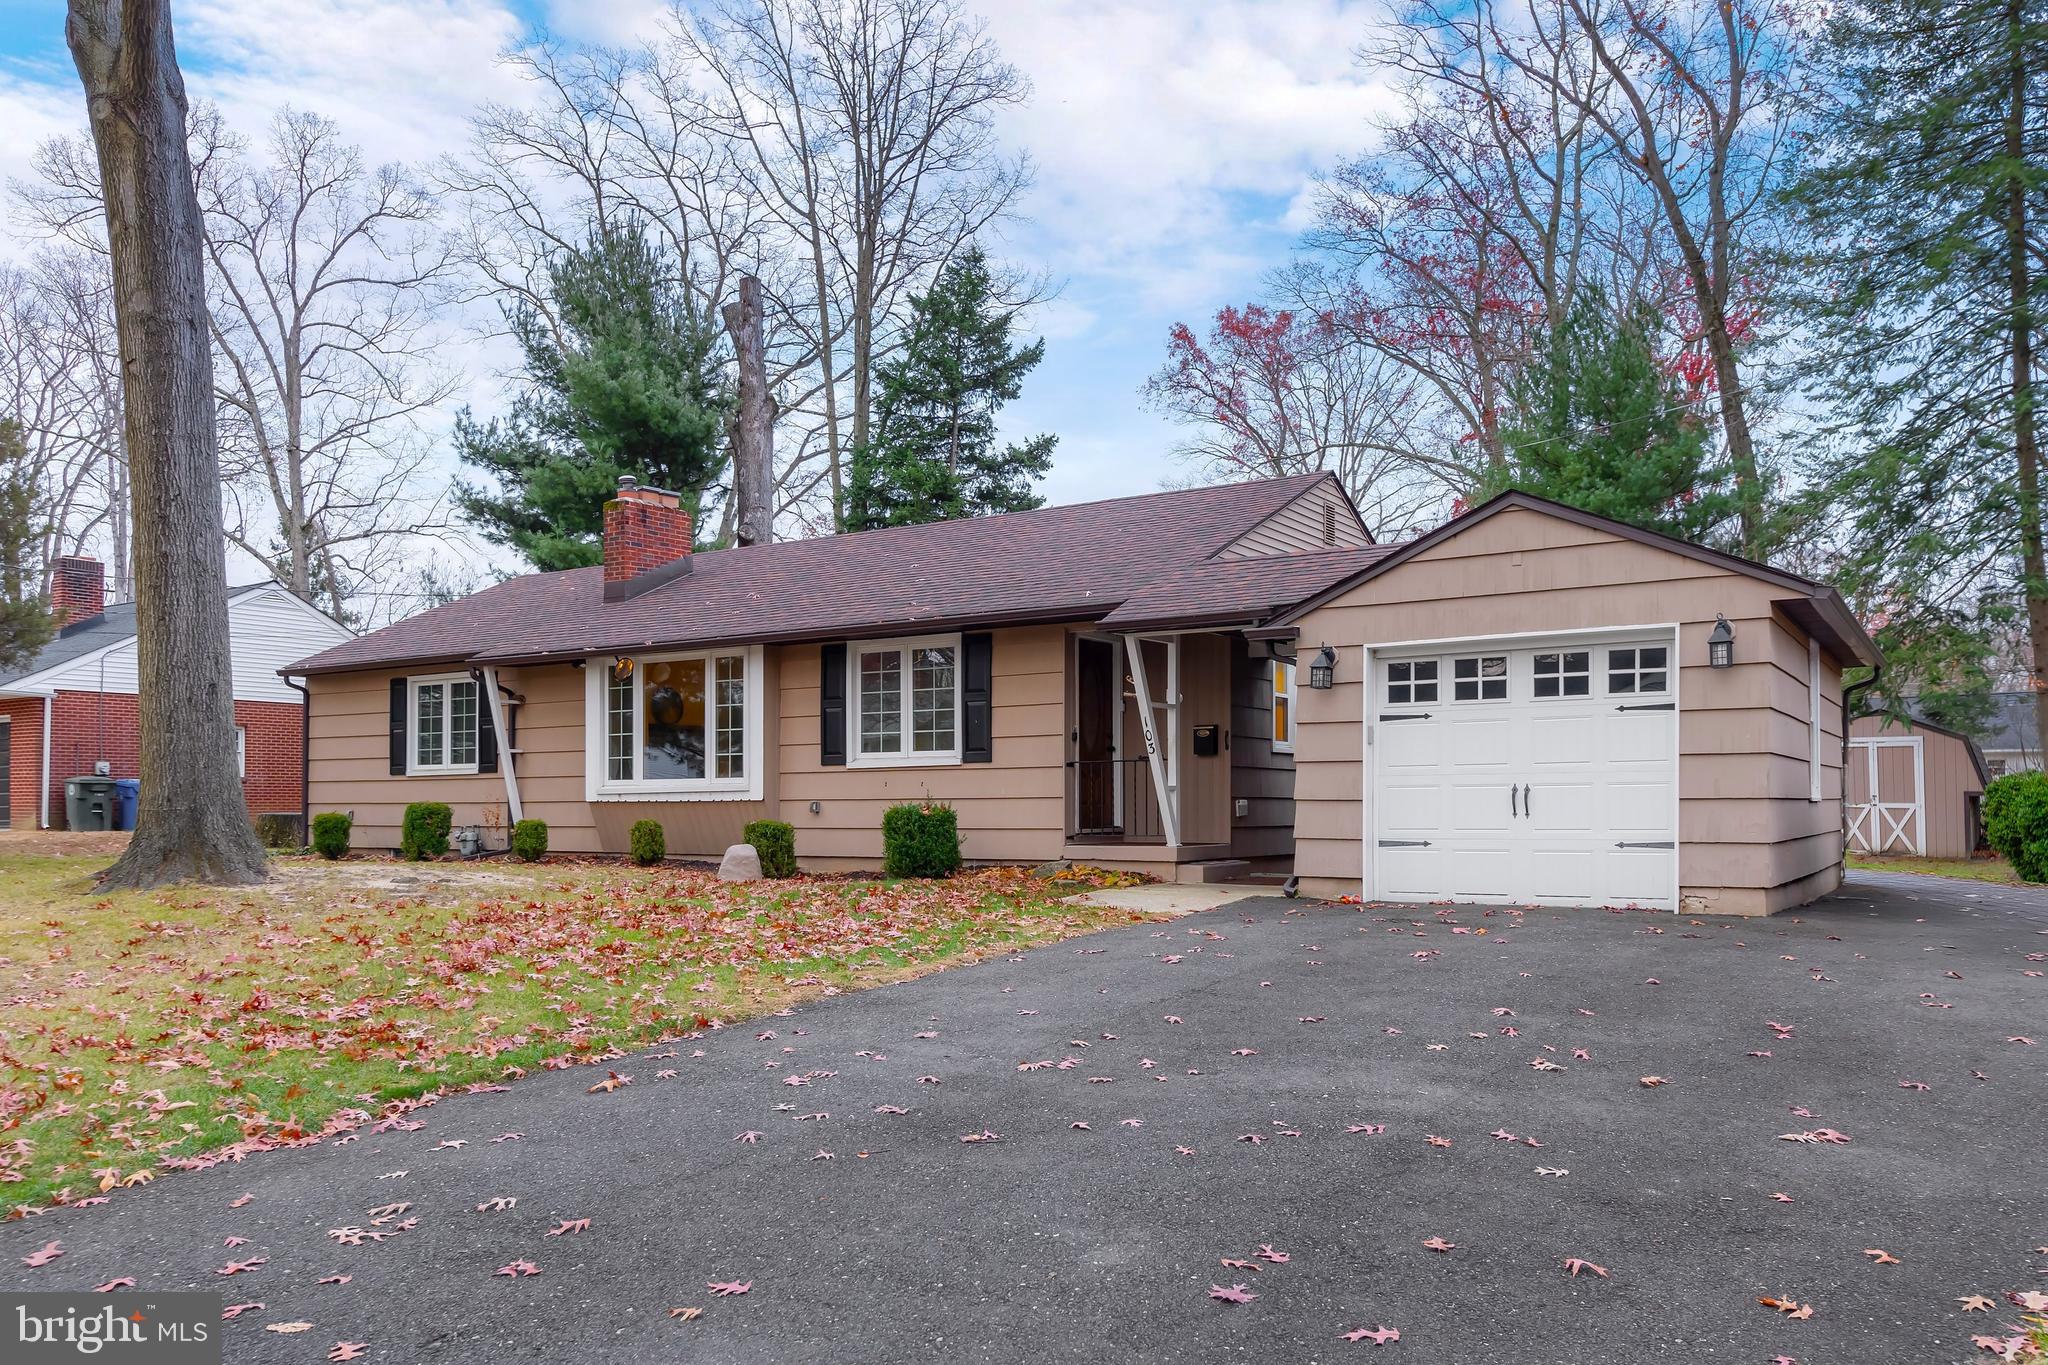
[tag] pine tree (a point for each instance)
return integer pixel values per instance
(1927, 195)
(933, 456)
(1598, 423)
(625, 380)
(25, 624)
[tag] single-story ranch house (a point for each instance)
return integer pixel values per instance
(1529, 704)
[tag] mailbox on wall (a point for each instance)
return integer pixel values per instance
(1206, 741)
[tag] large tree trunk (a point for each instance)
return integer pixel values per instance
(2026, 442)
(193, 825)
(753, 423)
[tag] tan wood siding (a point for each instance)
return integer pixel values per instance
(1317, 520)
(1260, 776)
(1747, 829)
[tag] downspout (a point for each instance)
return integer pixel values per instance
(305, 759)
(49, 729)
(1852, 690)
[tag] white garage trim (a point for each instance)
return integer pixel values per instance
(1374, 655)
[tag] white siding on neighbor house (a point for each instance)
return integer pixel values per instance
(1317, 520)
(267, 629)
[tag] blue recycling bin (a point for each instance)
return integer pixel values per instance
(127, 796)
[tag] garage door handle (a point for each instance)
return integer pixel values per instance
(1665, 844)
(1405, 715)
(1404, 843)
(1527, 809)
(1511, 800)
(1650, 706)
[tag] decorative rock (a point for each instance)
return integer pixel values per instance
(1057, 868)
(740, 864)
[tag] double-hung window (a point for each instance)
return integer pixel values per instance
(443, 725)
(676, 724)
(904, 698)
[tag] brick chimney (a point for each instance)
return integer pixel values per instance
(78, 588)
(646, 540)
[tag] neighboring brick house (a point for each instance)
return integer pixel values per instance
(74, 706)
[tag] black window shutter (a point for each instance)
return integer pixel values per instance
(832, 705)
(977, 709)
(486, 732)
(398, 727)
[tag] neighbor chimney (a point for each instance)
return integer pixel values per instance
(78, 588)
(646, 540)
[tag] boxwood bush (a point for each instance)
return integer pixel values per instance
(920, 839)
(775, 841)
(649, 844)
(424, 834)
(2016, 822)
(330, 833)
(530, 840)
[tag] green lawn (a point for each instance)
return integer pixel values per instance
(1974, 869)
(136, 1029)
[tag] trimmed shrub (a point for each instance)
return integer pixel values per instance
(650, 845)
(2016, 822)
(920, 839)
(330, 833)
(424, 834)
(530, 840)
(775, 841)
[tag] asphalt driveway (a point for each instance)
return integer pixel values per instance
(1382, 1060)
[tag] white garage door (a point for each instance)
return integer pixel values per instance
(1511, 773)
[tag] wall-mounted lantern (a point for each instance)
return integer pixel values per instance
(622, 667)
(1721, 644)
(1322, 672)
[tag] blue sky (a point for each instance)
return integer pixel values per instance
(1175, 145)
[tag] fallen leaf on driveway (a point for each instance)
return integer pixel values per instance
(517, 1268)
(347, 1350)
(1879, 1256)
(125, 1282)
(727, 1288)
(568, 1225)
(1379, 1336)
(1266, 1253)
(686, 1314)
(335, 1279)
(288, 1328)
(1236, 1293)
(242, 1267)
(1575, 1264)
(1652, 1082)
(49, 1252)
(235, 1310)
(1439, 1244)
(1975, 1303)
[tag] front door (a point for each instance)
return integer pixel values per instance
(1095, 781)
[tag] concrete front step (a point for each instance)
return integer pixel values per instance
(1212, 870)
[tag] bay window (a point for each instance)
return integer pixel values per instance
(904, 696)
(675, 725)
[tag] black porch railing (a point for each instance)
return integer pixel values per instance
(1114, 799)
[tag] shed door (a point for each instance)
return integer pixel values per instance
(1512, 774)
(1886, 800)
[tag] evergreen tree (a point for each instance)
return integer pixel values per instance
(624, 380)
(1927, 194)
(933, 456)
(25, 624)
(1598, 423)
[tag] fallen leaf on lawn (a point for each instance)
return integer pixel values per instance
(49, 1252)
(1236, 1293)
(727, 1288)
(1575, 1264)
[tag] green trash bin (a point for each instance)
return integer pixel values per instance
(89, 802)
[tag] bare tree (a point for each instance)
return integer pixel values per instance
(753, 420)
(324, 281)
(867, 131)
(192, 823)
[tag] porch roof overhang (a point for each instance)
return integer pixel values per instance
(1238, 592)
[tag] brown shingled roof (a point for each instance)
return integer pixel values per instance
(1077, 562)
(1233, 590)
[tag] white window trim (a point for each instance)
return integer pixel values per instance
(1286, 746)
(415, 768)
(905, 758)
(1813, 734)
(599, 786)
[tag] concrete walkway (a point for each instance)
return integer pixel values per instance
(1167, 898)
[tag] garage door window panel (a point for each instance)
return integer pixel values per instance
(1411, 681)
(1566, 673)
(1638, 669)
(1479, 677)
